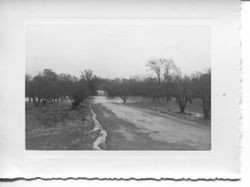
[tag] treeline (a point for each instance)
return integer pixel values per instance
(49, 87)
(166, 83)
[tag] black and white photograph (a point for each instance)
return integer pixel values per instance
(121, 90)
(118, 86)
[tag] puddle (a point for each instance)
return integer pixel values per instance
(103, 134)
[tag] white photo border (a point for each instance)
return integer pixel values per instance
(221, 162)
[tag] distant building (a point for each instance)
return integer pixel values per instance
(101, 92)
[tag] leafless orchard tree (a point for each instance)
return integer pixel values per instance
(202, 89)
(166, 83)
(119, 87)
(49, 87)
(163, 69)
(183, 92)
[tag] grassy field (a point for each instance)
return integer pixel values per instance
(57, 127)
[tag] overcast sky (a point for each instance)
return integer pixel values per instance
(115, 50)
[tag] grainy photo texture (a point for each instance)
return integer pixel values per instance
(118, 86)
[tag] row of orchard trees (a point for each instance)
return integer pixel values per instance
(49, 87)
(166, 83)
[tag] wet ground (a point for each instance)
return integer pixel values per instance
(106, 124)
(132, 128)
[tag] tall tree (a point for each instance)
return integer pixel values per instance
(91, 80)
(164, 70)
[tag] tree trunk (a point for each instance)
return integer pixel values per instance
(182, 103)
(153, 98)
(36, 103)
(76, 102)
(206, 109)
(124, 100)
(168, 99)
(34, 100)
(182, 108)
(207, 115)
(44, 101)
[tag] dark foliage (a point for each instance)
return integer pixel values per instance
(49, 87)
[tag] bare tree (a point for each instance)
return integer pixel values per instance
(48, 86)
(163, 69)
(182, 91)
(202, 89)
(155, 66)
(87, 74)
(91, 80)
(119, 88)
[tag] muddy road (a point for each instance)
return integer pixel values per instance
(131, 128)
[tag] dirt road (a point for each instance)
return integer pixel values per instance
(132, 128)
